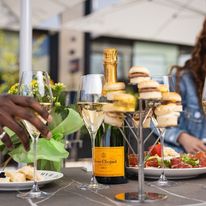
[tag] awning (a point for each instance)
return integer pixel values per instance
(173, 21)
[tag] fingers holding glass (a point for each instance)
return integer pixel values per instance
(38, 102)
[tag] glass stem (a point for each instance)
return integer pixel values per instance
(35, 187)
(93, 179)
(162, 177)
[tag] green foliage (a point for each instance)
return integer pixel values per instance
(9, 44)
(7, 79)
(74, 123)
(50, 152)
(47, 150)
(9, 51)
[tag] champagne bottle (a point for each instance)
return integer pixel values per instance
(109, 155)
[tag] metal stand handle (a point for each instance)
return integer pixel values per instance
(141, 156)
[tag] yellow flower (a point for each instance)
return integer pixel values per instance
(33, 83)
(14, 89)
(58, 86)
(57, 90)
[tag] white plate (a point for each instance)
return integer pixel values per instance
(48, 176)
(182, 173)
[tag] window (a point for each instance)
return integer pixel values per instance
(158, 58)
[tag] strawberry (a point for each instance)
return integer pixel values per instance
(156, 150)
(152, 162)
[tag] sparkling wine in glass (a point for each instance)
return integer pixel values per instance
(90, 103)
(37, 85)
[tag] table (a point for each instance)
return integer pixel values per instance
(65, 192)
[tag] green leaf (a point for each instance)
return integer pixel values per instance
(47, 149)
(14, 138)
(56, 118)
(70, 124)
(20, 155)
(49, 165)
(1, 143)
(167, 163)
(57, 136)
(185, 158)
(8, 131)
(50, 152)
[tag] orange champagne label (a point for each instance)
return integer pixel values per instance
(109, 161)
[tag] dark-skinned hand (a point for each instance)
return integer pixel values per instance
(13, 108)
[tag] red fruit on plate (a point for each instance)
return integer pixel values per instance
(175, 161)
(201, 156)
(181, 165)
(156, 150)
(133, 160)
(151, 162)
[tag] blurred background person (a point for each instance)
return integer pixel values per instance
(190, 135)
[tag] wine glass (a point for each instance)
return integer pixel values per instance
(204, 105)
(204, 97)
(37, 85)
(90, 106)
(168, 85)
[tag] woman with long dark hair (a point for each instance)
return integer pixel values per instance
(190, 135)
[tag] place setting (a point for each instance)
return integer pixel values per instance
(34, 84)
(116, 122)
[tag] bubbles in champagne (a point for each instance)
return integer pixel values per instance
(32, 130)
(92, 115)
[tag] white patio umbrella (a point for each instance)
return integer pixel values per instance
(174, 21)
(42, 10)
(25, 14)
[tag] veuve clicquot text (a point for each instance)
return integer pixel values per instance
(109, 156)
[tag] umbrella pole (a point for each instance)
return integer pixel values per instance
(25, 37)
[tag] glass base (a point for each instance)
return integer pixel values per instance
(131, 197)
(95, 186)
(162, 183)
(32, 195)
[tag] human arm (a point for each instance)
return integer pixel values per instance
(172, 133)
(188, 132)
(14, 108)
(190, 143)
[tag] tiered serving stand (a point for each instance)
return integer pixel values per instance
(137, 131)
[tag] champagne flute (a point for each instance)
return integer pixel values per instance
(35, 84)
(168, 82)
(204, 105)
(90, 106)
(204, 97)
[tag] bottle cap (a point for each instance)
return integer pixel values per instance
(110, 55)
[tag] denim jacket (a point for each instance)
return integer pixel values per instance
(192, 120)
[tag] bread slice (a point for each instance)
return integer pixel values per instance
(28, 171)
(15, 176)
